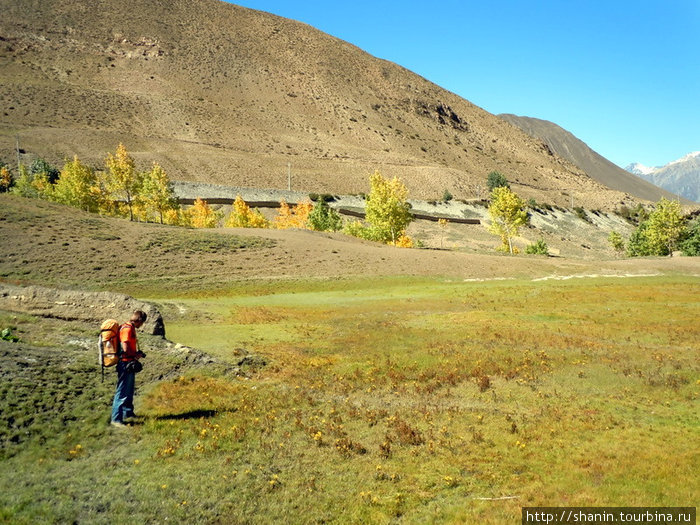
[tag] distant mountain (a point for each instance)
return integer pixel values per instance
(640, 169)
(218, 93)
(569, 147)
(681, 176)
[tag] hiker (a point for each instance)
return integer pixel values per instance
(127, 367)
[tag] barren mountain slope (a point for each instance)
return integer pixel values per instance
(224, 94)
(567, 146)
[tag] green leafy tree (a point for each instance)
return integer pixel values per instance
(324, 218)
(691, 243)
(495, 180)
(77, 186)
(23, 185)
(157, 195)
(41, 167)
(661, 233)
(508, 214)
(32, 186)
(123, 181)
(358, 229)
(638, 244)
(387, 210)
(667, 226)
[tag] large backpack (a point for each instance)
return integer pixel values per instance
(108, 344)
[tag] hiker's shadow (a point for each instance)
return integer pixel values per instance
(192, 414)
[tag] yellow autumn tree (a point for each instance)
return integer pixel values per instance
(178, 217)
(43, 186)
(5, 179)
(283, 215)
(297, 217)
(242, 216)
(122, 180)
(508, 214)
(203, 216)
(301, 213)
(157, 194)
(77, 186)
(387, 210)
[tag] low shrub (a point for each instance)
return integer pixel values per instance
(538, 248)
(324, 218)
(581, 214)
(496, 180)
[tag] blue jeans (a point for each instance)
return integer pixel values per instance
(123, 404)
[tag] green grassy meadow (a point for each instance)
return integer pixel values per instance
(382, 401)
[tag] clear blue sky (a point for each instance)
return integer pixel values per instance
(621, 75)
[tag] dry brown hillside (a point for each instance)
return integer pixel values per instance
(223, 94)
(57, 246)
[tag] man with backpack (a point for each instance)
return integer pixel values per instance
(127, 368)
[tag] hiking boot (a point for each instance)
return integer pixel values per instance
(118, 424)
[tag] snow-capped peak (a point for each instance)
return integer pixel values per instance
(640, 169)
(688, 157)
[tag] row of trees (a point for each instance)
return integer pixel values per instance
(387, 214)
(122, 190)
(305, 215)
(119, 190)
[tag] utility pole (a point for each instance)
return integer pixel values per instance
(289, 176)
(18, 156)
